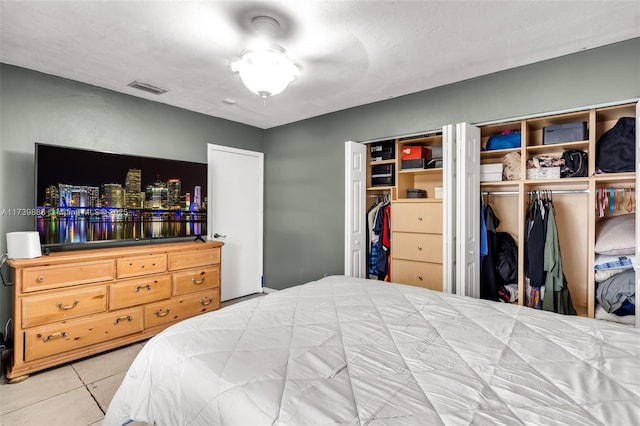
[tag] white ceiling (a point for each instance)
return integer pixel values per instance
(351, 52)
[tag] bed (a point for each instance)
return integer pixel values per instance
(351, 351)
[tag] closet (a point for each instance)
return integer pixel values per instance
(577, 200)
(415, 194)
(450, 226)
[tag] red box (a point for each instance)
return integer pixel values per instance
(416, 152)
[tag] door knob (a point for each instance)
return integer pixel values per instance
(216, 235)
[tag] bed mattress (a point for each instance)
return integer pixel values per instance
(351, 351)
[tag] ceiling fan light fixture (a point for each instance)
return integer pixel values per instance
(267, 71)
(264, 67)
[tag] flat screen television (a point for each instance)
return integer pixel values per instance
(90, 197)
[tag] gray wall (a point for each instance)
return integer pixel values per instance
(36, 107)
(304, 161)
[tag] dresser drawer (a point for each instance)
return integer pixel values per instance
(181, 307)
(421, 274)
(420, 247)
(196, 280)
(54, 339)
(194, 258)
(142, 265)
(54, 276)
(139, 290)
(417, 217)
(61, 305)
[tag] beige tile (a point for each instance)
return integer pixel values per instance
(103, 390)
(75, 407)
(38, 387)
(107, 364)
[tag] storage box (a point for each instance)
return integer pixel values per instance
(543, 173)
(568, 132)
(383, 175)
(414, 152)
(491, 172)
(416, 193)
(383, 150)
(491, 168)
(505, 140)
(419, 163)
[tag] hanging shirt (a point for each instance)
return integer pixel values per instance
(556, 292)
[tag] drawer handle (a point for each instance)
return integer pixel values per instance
(419, 217)
(41, 278)
(420, 248)
(123, 318)
(51, 336)
(137, 289)
(200, 281)
(160, 313)
(67, 307)
(420, 277)
(207, 301)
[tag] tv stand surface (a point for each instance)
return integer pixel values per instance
(72, 304)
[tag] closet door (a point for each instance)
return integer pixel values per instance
(449, 209)
(468, 210)
(354, 202)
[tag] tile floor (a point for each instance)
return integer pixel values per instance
(73, 394)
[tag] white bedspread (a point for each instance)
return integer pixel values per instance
(359, 352)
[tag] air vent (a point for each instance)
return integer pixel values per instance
(146, 87)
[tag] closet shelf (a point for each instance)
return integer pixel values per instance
(418, 200)
(616, 177)
(377, 163)
(422, 171)
(584, 145)
(496, 153)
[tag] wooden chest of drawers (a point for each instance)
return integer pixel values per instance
(417, 250)
(69, 305)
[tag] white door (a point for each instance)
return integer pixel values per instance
(468, 210)
(449, 208)
(234, 211)
(355, 251)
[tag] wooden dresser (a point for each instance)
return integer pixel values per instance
(69, 305)
(416, 249)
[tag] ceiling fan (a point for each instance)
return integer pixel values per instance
(264, 66)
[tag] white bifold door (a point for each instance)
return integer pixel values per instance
(467, 210)
(355, 251)
(461, 209)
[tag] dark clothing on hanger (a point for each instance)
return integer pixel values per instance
(489, 279)
(534, 256)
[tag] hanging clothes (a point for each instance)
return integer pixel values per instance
(546, 283)
(489, 280)
(382, 229)
(379, 239)
(534, 256)
(557, 297)
(372, 240)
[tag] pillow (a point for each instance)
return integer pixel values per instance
(604, 262)
(616, 235)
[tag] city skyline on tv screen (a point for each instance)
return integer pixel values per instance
(84, 195)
